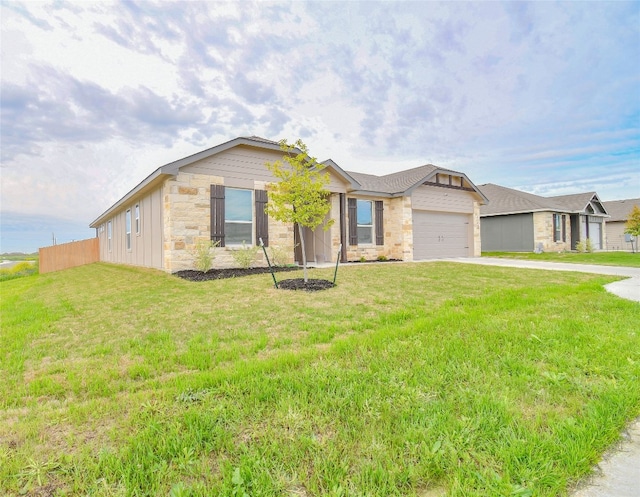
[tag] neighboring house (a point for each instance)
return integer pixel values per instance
(220, 194)
(619, 211)
(515, 221)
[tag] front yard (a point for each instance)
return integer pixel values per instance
(603, 258)
(405, 379)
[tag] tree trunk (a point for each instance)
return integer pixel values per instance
(304, 253)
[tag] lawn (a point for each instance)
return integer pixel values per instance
(603, 258)
(405, 379)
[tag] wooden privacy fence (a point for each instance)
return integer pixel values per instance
(68, 255)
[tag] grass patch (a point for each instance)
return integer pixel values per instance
(603, 258)
(478, 380)
(20, 270)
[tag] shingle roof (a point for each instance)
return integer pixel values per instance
(575, 202)
(619, 209)
(395, 182)
(503, 200)
(260, 139)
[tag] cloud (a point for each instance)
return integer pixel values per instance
(56, 106)
(95, 96)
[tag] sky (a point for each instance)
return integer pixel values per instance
(543, 97)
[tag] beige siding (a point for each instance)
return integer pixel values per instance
(440, 199)
(146, 246)
(615, 236)
(242, 166)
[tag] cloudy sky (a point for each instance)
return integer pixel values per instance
(543, 97)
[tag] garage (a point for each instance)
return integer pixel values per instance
(513, 233)
(595, 235)
(439, 235)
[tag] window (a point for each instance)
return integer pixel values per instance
(558, 228)
(232, 219)
(109, 236)
(238, 217)
(128, 228)
(137, 217)
(365, 221)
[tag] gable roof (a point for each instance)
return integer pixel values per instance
(172, 168)
(619, 209)
(509, 201)
(587, 202)
(395, 184)
(404, 182)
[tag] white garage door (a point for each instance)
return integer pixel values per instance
(437, 235)
(595, 234)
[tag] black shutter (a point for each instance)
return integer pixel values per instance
(217, 214)
(353, 221)
(343, 227)
(564, 228)
(262, 220)
(379, 224)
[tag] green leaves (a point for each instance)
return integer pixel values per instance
(300, 195)
(632, 225)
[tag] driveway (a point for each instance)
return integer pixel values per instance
(628, 288)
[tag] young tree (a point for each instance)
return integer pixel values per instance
(632, 226)
(300, 196)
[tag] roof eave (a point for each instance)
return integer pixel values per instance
(144, 186)
(173, 167)
(341, 172)
(371, 193)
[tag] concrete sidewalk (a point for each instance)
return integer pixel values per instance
(618, 473)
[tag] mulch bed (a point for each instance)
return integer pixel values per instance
(292, 284)
(309, 286)
(219, 274)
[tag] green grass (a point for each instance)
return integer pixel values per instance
(604, 258)
(403, 380)
(20, 270)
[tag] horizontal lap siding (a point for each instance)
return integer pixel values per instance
(241, 167)
(440, 199)
(442, 222)
(616, 237)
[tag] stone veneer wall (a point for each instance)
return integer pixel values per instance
(543, 232)
(398, 239)
(187, 211)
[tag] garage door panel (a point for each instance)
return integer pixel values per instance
(438, 235)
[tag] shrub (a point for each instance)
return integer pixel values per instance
(245, 256)
(18, 271)
(279, 256)
(589, 245)
(382, 258)
(584, 246)
(204, 254)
